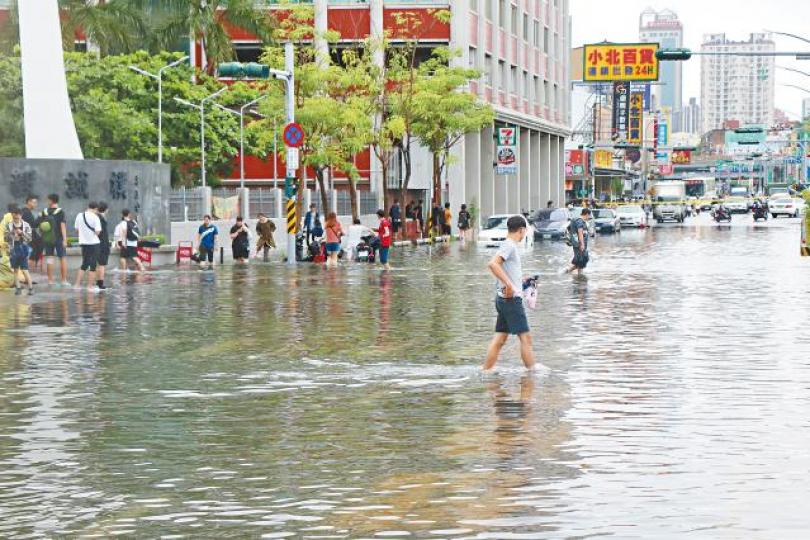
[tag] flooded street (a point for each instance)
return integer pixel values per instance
(269, 402)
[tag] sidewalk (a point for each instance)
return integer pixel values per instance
(421, 241)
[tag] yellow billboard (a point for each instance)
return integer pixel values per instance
(620, 62)
(603, 159)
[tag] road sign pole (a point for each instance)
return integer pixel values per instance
(289, 65)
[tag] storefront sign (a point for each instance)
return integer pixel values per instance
(506, 156)
(603, 159)
(620, 62)
(636, 118)
(681, 157)
(621, 110)
(663, 133)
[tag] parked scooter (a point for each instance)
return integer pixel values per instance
(366, 250)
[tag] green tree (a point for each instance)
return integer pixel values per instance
(113, 27)
(444, 112)
(12, 142)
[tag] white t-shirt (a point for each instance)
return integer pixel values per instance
(120, 235)
(510, 253)
(355, 234)
(88, 235)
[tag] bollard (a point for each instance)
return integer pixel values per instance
(221, 255)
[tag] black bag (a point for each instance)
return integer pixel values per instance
(149, 244)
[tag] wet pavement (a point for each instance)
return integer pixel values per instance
(265, 402)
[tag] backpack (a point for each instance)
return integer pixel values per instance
(47, 227)
(132, 231)
(463, 219)
(571, 236)
(317, 229)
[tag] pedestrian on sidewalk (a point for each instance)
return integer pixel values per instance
(126, 238)
(206, 242)
(385, 233)
(419, 217)
(333, 234)
(396, 218)
(18, 234)
(464, 221)
(240, 241)
(29, 213)
(578, 236)
(448, 220)
(54, 238)
(506, 267)
(310, 219)
(436, 219)
(104, 245)
(265, 229)
(88, 226)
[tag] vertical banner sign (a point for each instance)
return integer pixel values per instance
(621, 110)
(507, 151)
(662, 137)
(636, 118)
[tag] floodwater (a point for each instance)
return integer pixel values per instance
(264, 402)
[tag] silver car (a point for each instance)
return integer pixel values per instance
(607, 220)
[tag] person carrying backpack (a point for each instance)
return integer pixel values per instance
(17, 236)
(53, 232)
(577, 236)
(464, 221)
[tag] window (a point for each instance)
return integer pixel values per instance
(473, 57)
(502, 75)
(474, 5)
(514, 22)
(545, 40)
(538, 97)
(502, 14)
(525, 27)
(546, 93)
(515, 89)
(488, 69)
(537, 34)
(556, 97)
(488, 13)
(557, 48)
(526, 85)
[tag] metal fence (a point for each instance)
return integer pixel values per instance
(344, 204)
(186, 204)
(263, 201)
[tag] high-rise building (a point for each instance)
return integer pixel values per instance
(691, 117)
(737, 88)
(664, 28)
(806, 108)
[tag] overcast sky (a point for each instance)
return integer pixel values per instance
(617, 20)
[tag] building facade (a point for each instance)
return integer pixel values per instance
(664, 28)
(692, 121)
(522, 49)
(805, 108)
(737, 88)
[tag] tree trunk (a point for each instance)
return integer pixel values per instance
(322, 186)
(353, 198)
(437, 178)
(384, 166)
(406, 157)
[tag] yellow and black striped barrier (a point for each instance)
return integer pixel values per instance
(292, 221)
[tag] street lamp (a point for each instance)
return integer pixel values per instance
(241, 115)
(201, 108)
(159, 78)
(794, 70)
(788, 35)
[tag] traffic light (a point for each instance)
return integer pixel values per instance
(673, 54)
(237, 70)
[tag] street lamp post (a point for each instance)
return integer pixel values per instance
(201, 108)
(159, 78)
(241, 115)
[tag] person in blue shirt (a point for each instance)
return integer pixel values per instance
(206, 242)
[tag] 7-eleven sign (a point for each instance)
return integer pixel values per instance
(507, 137)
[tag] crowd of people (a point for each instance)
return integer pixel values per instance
(32, 238)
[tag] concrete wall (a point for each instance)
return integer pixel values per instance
(144, 188)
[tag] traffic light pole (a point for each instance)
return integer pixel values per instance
(289, 77)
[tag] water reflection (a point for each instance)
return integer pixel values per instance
(345, 404)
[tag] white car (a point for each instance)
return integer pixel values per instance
(632, 216)
(786, 206)
(494, 231)
(736, 205)
(776, 196)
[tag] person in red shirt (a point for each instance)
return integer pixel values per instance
(385, 233)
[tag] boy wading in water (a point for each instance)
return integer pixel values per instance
(506, 268)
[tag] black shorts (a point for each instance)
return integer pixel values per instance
(511, 316)
(90, 257)
(241, 251)
(395, 226)
(580, 259)
(103, 255)
(58, 249)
